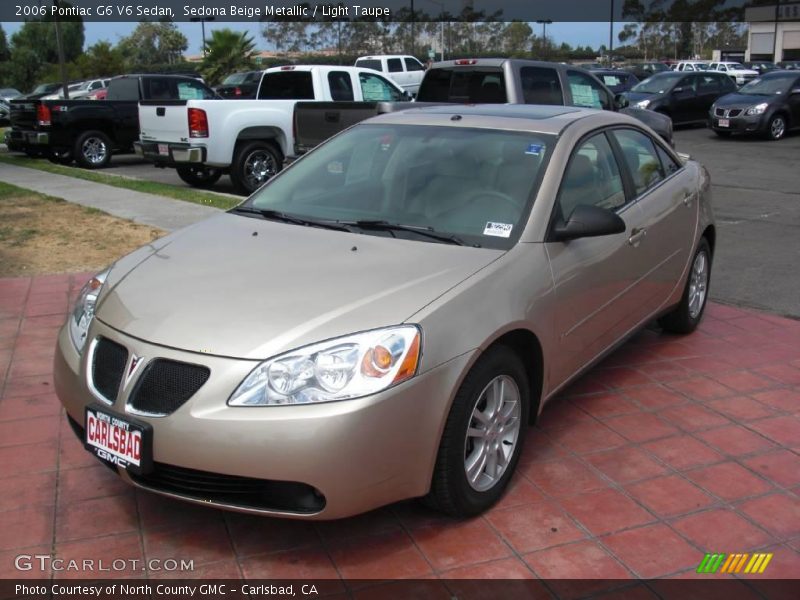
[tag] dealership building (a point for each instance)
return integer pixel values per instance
(774, 32)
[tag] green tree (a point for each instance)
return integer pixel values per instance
(153, 43)
(5, 53)
(227, 51)
(101, 60)
(517, 37)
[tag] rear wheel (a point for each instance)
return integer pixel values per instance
(253, 165)
(483, 436)
(776, 128)
(687, 315)
(199, 176)
(92, 150)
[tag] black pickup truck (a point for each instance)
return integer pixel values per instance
(477, 81)
(90, 131)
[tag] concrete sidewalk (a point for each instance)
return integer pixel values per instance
(148, 209)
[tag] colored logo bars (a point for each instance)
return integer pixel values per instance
(734, 563)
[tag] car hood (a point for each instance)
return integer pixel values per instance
(742, 100)
(242, 287)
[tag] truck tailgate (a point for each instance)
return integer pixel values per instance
(315, 122)
(163, 121)
(23, 114)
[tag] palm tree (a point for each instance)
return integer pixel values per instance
(226, 52)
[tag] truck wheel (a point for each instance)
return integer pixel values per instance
(253, 165)
(92, 150)
(199, 176)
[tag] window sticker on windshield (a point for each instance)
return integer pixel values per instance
(336, 167)
(498, 229)
(534, 149)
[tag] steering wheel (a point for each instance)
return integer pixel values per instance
(472, 198)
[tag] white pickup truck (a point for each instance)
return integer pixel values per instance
(248, 139)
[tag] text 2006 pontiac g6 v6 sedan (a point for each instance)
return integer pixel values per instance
(383, 319)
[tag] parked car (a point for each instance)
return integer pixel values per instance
(8, 94)
(761, 66)
(43, 89)
(480, 81)
(79, 89)
(5, 111)
(406, 71)
(87, 131)
(643, 70)
(101, 94)
(789, 65)
(240, 85)
(383, 319)
(770, 106)
(683, 97)
(616, 80)
(692, 65)
(248, 139)
(735, 71)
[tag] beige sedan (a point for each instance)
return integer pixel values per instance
(383, 319)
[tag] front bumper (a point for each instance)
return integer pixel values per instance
(170, 154)
(739, 124)
(357, 454)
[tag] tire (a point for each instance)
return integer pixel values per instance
(92, 150)
(687, 315)
(452, 492)
(199, 176)
(253, 165)
(777, 127)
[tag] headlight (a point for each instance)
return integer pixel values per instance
(642, 104)
(82, 314)
(340, 369)
(758, 109)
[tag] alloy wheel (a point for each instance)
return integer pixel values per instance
(698, 284)
(94, 150)
(259, 167)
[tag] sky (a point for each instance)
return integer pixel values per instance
(593, 34)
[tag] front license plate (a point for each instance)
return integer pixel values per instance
(119, 441)
(163, 150)
(724, 123)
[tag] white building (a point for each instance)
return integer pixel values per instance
(770, 38)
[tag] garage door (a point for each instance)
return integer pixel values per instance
(762, 43)
(791, 40)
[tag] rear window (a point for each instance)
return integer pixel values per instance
(126, 88)
(369, 64)
(479, 85)
(287, 85)
(540, 85)
(168, 88)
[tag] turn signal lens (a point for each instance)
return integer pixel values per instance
(409, 367)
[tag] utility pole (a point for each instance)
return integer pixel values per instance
(413, 19)
(611, 36)
(544, 23)
(62, 66)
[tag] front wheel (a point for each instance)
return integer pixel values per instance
(199, 176)
(254, 164)
(92, 150)
(483, 436)
(776, 128)
(686, 316)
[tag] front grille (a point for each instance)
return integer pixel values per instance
(108, 367)
(720, 112)
(166, 385)
(232, 490)
(735, 112)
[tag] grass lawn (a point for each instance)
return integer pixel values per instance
(40, 234)
(149, 187)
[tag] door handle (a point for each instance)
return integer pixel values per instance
(636, 236)
(687, 199)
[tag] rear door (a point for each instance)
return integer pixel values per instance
(684, 99)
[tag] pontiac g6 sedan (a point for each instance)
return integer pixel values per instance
(383, 319)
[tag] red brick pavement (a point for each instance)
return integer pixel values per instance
(672, 447)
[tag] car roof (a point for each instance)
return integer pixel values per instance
(517, 117)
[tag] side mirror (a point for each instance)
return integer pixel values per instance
(589, 221)
(621, 101)
(678, 90)
(794, 91)
(407, 96)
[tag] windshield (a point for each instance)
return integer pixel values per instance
(43, 88)
(475, 184)
(234, 79)
(767, 86)
(735, 66)
(658, 84)
(10, 93)
(659, 67)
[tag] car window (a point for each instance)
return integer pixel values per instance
(369, 63)
(477, 184)
(412, 64)
(463, 84)
(341, 86)
(687, 83)
(541, 85)
(587, 91)
(375, 88)
(668, 164)
(708, 84)
(287, 85)
(395, 65)
(641, 158)
(193, 90)
(125, 88)
(592, 177)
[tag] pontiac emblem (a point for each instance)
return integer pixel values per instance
(133, 365)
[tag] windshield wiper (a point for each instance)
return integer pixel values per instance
(423, 231)
(276, 215)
